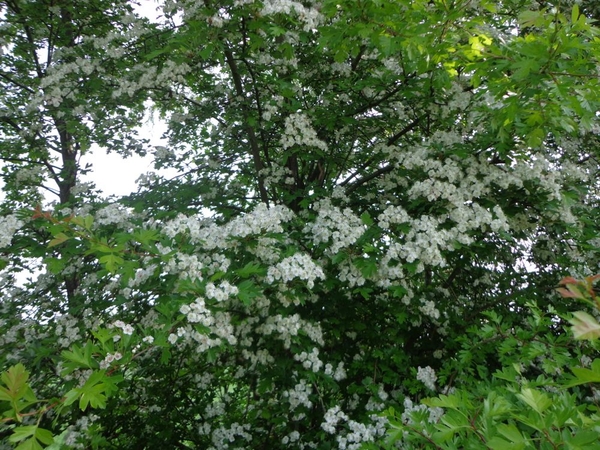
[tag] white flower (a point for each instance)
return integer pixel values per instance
(299, 395)
(8, 226)
(332, 417)
(300, 265)
(428, 308)
(427, 376)
(125, 327)
(299, 131)
(110, 357)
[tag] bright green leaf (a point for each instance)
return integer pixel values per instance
(497, 443)
(44, 436)
(15, 379)
(29, 444)
(535, 399)
(112, 262)
(22, 432)
(511, 432)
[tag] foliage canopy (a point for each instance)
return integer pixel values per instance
(374, 203)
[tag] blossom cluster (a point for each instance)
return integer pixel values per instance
(109, 359)
(223, 436)
(310, 360)
(8, 226)
(125, 327)
(299, 131)
(310, 16)
(355, 433)
(427, 376)
(340, 227)
(300, 266)
(299, 395)
(211, 236)
(221, 292)
(435, 413)
(288, 327)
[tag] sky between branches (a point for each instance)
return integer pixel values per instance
(111, 173)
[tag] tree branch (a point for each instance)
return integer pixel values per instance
(16, 83)
(254, 148)
(382, 170)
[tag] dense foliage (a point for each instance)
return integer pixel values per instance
(375, 202)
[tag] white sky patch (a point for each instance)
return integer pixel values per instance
(115, 175)
(151, 9)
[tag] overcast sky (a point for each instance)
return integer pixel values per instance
(116, 175)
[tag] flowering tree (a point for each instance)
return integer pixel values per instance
(375, 201)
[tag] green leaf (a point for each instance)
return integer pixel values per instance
(71, 396)
(93, 391)
(247, 291)
(497, 443)
(44, 436)
(93, 396)
(496, 405)
(15, 379)
(366, 219)
(531, 18)
(367, 267)
(30, 444)
(536, 399)
(365, 292)
(536, 137)
(111, 262)
(5, 394)
(55, 265)
(146, 236)
(456, 420)
(252, 268)
(584, 439)
(584, 326)
(443, 401)
(22, 432)
(85, 222)
(58, 239)
(584, 376)
(575, 13)
(101, 247)
(339, 257)
(441, 436)
(511, 432)
(217, 276)
(103, 335)
(156, 53)
(81, 357)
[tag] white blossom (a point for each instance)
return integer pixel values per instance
(8, 226)
(300, 265)
(427, 376)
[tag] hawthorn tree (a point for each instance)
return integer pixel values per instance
(374, 203)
